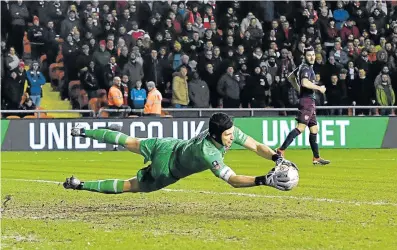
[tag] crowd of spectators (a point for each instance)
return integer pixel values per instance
(203, 54)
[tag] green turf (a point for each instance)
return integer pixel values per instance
(351, 204)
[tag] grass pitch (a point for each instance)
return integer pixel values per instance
(350, 204)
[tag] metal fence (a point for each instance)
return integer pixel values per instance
(195, 112)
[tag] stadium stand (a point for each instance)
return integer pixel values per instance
(241, 52)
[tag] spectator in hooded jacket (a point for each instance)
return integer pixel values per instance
(385, 95)
(35, 82)
(180, 91)
(133, 69)
(340, 15)
(154, 99)
(199, 93)
(229, 89)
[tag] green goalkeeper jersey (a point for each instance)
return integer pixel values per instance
(199, 154)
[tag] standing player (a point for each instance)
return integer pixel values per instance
(174, 159)
(304, 82)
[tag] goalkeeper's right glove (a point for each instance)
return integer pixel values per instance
(277, 180)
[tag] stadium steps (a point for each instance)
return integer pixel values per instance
(51, 101)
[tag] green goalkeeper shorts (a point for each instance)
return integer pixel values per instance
(157, 175)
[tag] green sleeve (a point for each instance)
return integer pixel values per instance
(239, 136)
(213, 160)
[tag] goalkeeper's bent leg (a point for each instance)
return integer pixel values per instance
(114, 137)
(107, 135)
(113, 186)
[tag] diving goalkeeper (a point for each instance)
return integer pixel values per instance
(174, 159)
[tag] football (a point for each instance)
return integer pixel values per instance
(292, 173)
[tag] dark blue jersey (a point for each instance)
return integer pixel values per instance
(306, 71)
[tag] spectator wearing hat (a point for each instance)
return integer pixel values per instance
(35, 82)
(36, 38)
(176, 56)
(349, 29)
(69, 24)
(70, 51)
(19, 15)
(14, 86)
(154, 99)
(101, 56)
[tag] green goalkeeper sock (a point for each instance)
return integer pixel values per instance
(104, 186)
(106, 135)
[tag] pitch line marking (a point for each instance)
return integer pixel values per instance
(115, 160)
(303, 198)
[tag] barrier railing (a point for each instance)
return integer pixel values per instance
(199, 112)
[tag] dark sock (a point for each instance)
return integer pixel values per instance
(314, 145)
(291, 136)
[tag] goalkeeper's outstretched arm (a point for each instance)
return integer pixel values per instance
(261, 149)
(271, 179)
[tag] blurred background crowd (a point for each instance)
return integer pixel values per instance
(232, 54)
